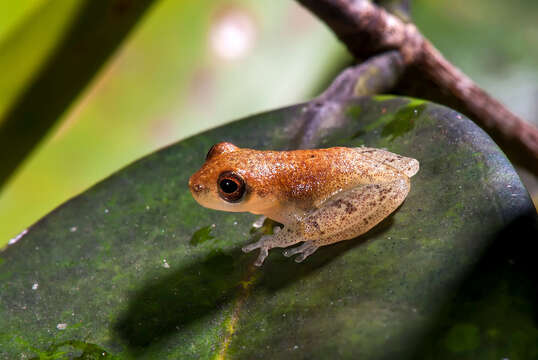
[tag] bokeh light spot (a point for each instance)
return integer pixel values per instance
(232, 34)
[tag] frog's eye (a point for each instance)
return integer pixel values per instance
(220, 148)
(211, 152)
(231, 186)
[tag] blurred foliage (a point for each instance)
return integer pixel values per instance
(169, 80)
(94, 33)
(12, 14)
(481, 35)
(26, 47)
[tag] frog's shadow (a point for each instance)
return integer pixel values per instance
(163, 307)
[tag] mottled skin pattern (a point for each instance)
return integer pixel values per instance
(321, 196)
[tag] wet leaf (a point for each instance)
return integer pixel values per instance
(440, 278)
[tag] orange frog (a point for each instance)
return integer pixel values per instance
(321, 196)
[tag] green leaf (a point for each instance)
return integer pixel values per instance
(115, 267)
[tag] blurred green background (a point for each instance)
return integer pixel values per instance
(191, 65)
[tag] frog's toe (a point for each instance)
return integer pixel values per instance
(295, 250)
(306, 254)
(261, 257)
(304, 250)
(254, 245)
(261, 244)
(290, 252)
(250, 247)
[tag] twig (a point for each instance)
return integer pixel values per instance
(400, 8)
(367, 29)
(377, 75)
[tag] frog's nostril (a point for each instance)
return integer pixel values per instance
(198, 187)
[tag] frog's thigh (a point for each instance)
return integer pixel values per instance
(354, 212)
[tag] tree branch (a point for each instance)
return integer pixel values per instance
(400, 8)
(367, 29)
(377, 75)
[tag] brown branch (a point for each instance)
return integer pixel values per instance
(400, 8)
(367, 29)
(378, 74)
(489, 112)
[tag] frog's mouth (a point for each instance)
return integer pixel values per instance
(216, 203)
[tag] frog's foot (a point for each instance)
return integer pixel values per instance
(305, 250)
(263, 245)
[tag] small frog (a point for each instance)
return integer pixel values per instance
(321, 196)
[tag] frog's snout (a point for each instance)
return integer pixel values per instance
(198, 188)
(195, 186)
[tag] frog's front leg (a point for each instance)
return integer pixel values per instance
(289, 235)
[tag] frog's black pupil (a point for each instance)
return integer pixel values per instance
(228, 186)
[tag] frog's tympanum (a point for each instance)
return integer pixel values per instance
(321, 196)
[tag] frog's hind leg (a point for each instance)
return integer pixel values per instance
(344, 216)
(350, 214)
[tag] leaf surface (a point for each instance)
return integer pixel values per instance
(118, 268)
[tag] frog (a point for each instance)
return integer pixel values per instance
(320, 196)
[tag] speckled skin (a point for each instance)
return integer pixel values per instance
(321, 196)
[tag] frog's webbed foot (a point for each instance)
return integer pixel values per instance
(305, 250)
(263, 245)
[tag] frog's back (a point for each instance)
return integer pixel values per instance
(408, 166)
